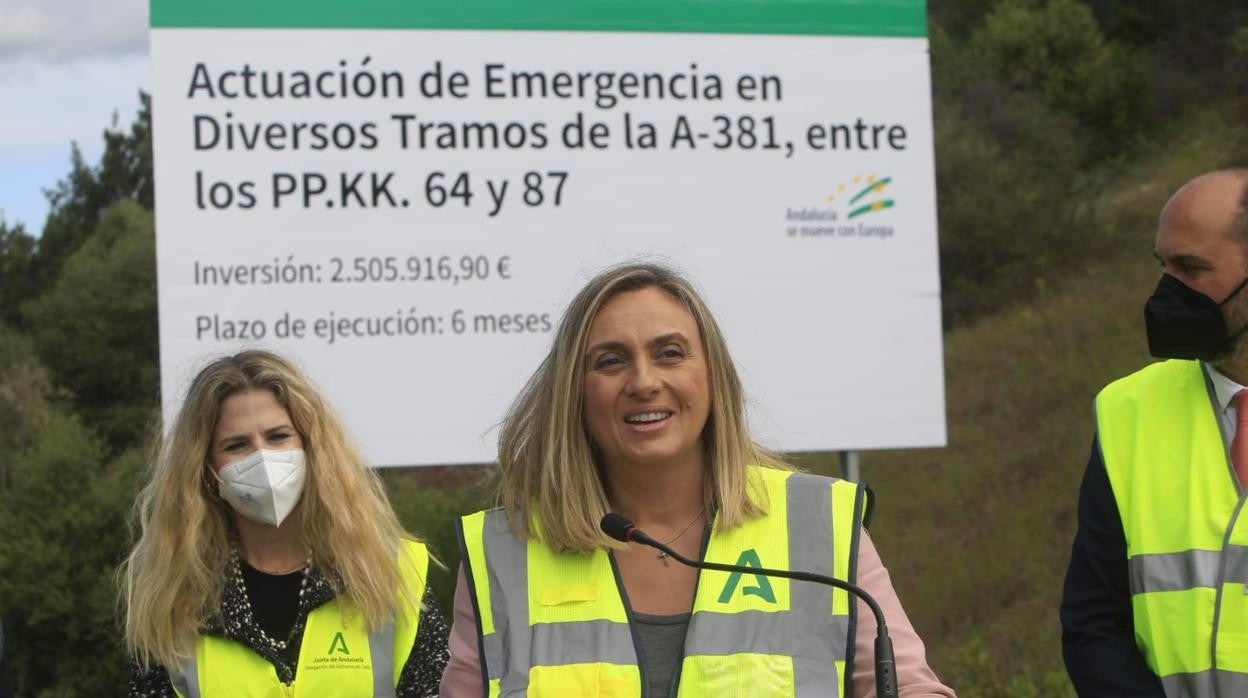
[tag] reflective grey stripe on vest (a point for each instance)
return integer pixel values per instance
(580, 642)
(185, 679)
(1188, 569)
(380, 648)
(808, 631)
(381, 651)
(507, 558)
(1206, 684)
(810, 550)
(762, 632)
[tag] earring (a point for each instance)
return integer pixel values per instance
(210, 483)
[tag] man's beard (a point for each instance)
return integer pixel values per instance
(1236, 353)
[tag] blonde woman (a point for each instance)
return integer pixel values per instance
(638, 409)
(269, 560)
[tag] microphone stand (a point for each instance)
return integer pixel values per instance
(885, 664)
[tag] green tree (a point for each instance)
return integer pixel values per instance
(1009, 211)
(96, 328)
(17, 280)
(430, 514)
(1182, 36)
(24, 390)
(62, 522)
(958, 17)
(1013, 204)
(1057, 51)
(78, 201)
(85, 295)
(62, 532)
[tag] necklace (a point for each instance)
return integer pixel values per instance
(236, 571)
(662, 554)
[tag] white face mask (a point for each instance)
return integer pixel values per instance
(264, 486)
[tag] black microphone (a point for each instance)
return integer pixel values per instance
(620, 528)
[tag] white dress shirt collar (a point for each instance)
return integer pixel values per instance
(1223, 388)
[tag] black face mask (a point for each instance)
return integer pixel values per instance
(1184, 323)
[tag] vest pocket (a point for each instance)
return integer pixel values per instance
(571, 593)
(743, 674)
(596, 680)
(1232, 638)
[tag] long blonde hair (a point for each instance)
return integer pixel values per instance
(173, 579)
(546, 455)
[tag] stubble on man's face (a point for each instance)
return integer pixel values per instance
(1235, 312)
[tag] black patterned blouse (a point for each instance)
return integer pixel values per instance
(419, 679)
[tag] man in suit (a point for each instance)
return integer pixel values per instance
(1154, 602)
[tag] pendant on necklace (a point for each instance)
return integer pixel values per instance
(663, 556)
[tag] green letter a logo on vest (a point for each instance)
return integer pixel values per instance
(339, 645)
(762, 588)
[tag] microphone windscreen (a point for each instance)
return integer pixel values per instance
(617, 526)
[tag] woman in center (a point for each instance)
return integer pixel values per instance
(638, 409)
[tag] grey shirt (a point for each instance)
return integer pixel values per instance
(662, 640)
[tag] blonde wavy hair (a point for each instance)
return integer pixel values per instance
(172, 581)
(547, 459)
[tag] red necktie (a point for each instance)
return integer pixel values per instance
(1239, 445)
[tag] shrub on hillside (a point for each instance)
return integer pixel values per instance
(1057, 51)
(981, 677)
(96, 330)
(1010, 209)
(62, 533)
(430, 514)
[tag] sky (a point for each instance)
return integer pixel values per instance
(67, 67)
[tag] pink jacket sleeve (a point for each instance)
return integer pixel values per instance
(462, 678)
(914, 677)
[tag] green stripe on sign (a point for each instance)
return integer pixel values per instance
(895, 18)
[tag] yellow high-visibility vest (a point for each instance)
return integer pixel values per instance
(338, 656)
(1187, 541)
(554, 625)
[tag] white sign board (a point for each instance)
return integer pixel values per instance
(404, 202)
